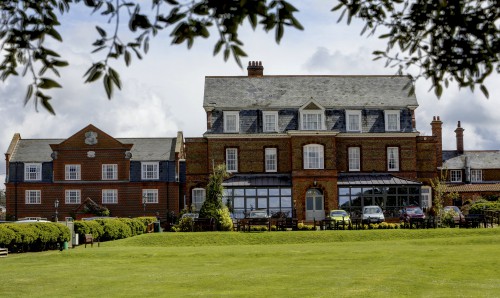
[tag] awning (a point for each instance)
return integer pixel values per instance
(258, 180)
(380, 179)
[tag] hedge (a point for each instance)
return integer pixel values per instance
(23, 237)
(112, 228)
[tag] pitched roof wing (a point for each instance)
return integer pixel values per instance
(294, 91)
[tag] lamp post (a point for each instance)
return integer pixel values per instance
(144, 199)
(56, 205)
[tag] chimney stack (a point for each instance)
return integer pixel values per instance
(436, 125)
(460, 138)
(255, 69)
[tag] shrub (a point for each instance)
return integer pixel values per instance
(185, 225)
(32, 236)
(478, 207)
(223, 219)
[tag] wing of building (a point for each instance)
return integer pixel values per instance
(129, 176)
(304, 145)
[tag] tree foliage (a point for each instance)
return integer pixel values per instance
(213, 207)
(447, 40)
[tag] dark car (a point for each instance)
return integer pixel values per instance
(411, 212)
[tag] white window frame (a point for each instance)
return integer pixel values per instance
(32, 172)
(109, 172)
(72, 196)
(389, 126)
(73, 172)
(313, 156)
(198, 197)
(349, 123)
(271, 159)
(232, 160)
(392, 159)
(354, 159)
(150, 196)
(269, 126)
(150, 170)
(230, 116)
(306, 122)
(476, 175)
(33, 197)
(455, 175)
(110, 196)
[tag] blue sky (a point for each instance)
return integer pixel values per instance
(163, 93)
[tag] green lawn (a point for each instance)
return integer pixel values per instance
(373, 263)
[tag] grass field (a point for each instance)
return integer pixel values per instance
(372, 263)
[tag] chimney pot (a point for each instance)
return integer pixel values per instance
(255, 69)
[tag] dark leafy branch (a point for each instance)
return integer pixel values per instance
(26, 24)
(447, 40)
(454, 40)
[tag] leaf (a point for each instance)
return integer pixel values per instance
(101, 31)
(485, 91)
(126, 56)
(115, 77)
(29, 93)
(52, 32)
(46, 83)
(108, 86)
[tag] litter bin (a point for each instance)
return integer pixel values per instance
(65, 245)
(157, 227)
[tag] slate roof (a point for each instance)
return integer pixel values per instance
(144, 149)
(484, 159)
(294, 91)
(346, 179)
(258, 180)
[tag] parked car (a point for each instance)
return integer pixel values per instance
(258, 213)
(457, 216)
(339, 216)
(191, 215)
(372, 214)
(410, 212)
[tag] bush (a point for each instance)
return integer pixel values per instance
(302, 227)
(223, 219)
(33, 236)
(478, 207)
(185, 225)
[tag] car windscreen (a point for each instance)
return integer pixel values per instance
(371, 210)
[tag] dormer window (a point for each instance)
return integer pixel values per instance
(231, 121)
(33, 172)
(392, 120)
(353, 120)
(312, 116)
(270, 121)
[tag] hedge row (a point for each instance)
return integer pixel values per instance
(112, 228)
(478, 208)
(24, 237)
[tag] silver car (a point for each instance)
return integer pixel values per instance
(373, 214)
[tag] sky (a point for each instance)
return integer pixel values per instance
(163, 92)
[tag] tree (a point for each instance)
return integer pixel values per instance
(447, 40)
(441, 194)
(213, 206)
(3, 198)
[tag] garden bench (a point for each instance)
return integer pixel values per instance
(259, 222)
(89, 239)
(203, 224)
(4, 252)
(283, 224)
